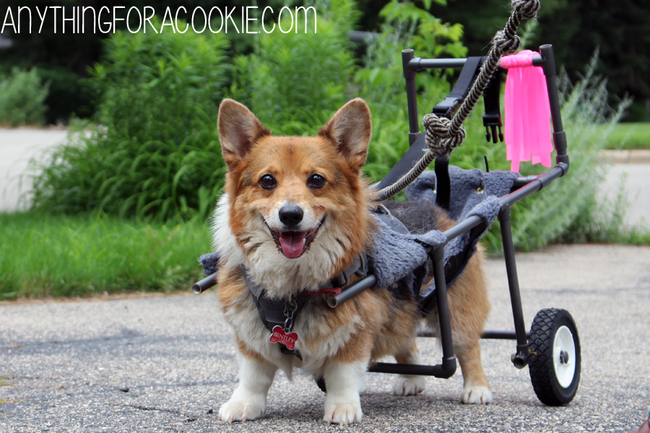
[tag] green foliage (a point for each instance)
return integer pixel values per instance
(155, 86)
(21, 98)
(295, 81)
(628, 136)
(381, 84)
(69, 95)
(567, 205)
(49, 255)
(156, 155)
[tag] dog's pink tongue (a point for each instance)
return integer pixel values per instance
(292, 244)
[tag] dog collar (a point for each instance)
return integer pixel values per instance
(281, 313)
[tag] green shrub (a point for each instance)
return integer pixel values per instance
(295, 81)
(381, 81)
(156, 154)
(21, 98)
(69, 95)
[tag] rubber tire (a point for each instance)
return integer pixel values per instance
(540, 363)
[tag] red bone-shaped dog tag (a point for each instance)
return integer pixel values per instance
(279, 336)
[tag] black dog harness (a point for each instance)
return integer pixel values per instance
(283, 312)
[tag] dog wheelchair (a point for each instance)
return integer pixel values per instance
(474, 198)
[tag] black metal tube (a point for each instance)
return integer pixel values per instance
(443, 370)
(418, 64)
(463, 226)
(500, 335)
(444, 319)
(353, 290)
(204, 284)
(411, 96)
(534, 185)
(521, 357)
(559, 136)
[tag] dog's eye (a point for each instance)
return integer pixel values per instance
(316, 181)
(268, 182)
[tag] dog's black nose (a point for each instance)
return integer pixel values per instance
(291, 215)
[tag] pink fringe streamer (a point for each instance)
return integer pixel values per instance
(527, 112)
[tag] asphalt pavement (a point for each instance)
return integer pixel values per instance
(165, 364)
(160, 364)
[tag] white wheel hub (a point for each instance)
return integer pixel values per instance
(564, 356)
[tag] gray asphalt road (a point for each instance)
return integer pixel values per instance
(167, 363)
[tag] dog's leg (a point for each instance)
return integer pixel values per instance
(409, 384)
(476, 389)
(248, 402)
(344, 381)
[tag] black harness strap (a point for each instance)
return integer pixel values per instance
(461, 89)
(443, 182)
(272, 312)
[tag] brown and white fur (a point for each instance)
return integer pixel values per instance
(286, 250)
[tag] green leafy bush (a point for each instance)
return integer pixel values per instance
(295, 81)
(381, 81)
(156, 154)
(21, 98)
(69, 95)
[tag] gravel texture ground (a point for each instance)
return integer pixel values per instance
(165, 364)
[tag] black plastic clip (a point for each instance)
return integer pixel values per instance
(492, 117)
(491, 123)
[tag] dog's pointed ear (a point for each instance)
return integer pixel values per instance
(350, 128)
(239, 129)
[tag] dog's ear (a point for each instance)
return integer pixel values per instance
(351, 129)
(238, 130)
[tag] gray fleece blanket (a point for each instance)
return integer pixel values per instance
(395, 258)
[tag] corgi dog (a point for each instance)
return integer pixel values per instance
(295, 214)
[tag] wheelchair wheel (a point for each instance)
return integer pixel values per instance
(554, 362)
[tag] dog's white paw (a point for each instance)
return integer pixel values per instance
(476, 395)
(409, 385)
(238, 410)
(343, 413)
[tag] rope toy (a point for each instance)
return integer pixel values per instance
(438, 135)
(442, 136)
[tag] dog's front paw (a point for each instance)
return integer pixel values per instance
(238, 410)
(409, 385)
(476, 395)
(343, 413)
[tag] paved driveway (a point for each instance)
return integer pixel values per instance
(167, 363)
(17, 147)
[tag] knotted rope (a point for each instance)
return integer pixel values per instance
(442, 134)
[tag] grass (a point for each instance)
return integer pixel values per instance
(51, 255)
(628, 136)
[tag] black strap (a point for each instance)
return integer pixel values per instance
(492, 117)
(418, 148)
(464, 83)
(443, 182)
(271, 311)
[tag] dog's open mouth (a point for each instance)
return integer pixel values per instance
(294, 244)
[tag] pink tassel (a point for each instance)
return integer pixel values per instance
(527, 112)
